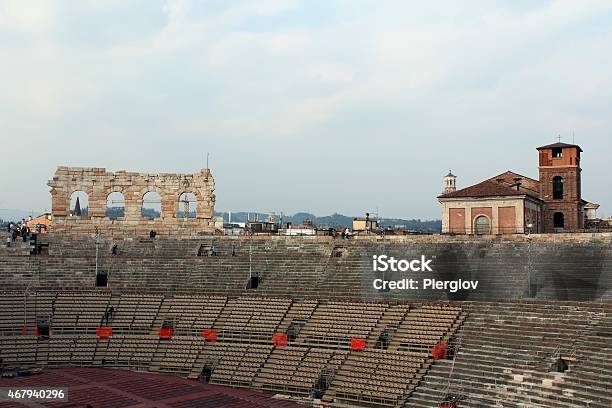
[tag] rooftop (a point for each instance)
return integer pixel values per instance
(489, 188)
(559, 144)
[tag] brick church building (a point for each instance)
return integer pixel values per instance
(511, 203)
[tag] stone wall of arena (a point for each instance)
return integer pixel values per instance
(566, 267)
(98, 184)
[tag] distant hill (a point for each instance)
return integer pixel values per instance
(337, 220)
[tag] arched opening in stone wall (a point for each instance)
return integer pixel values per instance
(482, 225)
(557, 188)
(79, 204)
(562, 365)
(253, 282)
(151, 205)
(42, 326)
(187, 205)
(207, 371)
(115, 205)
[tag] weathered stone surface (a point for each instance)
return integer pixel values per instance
(564, 267)
(98, 183)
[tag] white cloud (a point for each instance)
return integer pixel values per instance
(318, 78)
(26, 17)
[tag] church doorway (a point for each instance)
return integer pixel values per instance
(558, 220)
(482, 225)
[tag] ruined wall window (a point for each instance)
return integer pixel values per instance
(187, 205)
(558, 188)
(115, 205)
(79, 204)
(558, 220)
(151, 205)
(482, 226)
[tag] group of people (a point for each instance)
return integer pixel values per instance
(346, 233)
(450, 401)
(18, 230)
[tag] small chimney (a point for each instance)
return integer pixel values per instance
(518, 182)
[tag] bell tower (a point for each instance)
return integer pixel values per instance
(559, 165)
(450, 183)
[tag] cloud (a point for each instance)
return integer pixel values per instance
(26, 18)
(337, 94)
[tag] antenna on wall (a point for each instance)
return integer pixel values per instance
(573, 138)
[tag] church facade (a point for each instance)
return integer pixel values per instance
(510, 203)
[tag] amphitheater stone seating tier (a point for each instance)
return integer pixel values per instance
(297, 316)
(334, 324)
(509, 353)
(377, 378)
(17, 247)
(79, 312)
(295, 370)
(387, 326)
(190, 314)
(560, 266)
(135, 313)
(235, 364)
(12, 320)
(18, 352)
(316, 361)
(177, 355)
(251, 317)
(542, 306)
(423, 327)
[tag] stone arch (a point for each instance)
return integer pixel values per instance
(151, 204)
(187, 205)
(79, 203)
(482, 225)
(115, 204)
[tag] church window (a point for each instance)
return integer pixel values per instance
(558, 188)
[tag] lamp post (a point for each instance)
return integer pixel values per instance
(98, 242)
(529, 291)
(250, 258)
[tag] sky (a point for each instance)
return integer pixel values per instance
(318, 105)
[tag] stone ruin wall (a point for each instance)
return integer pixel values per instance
(98, 183)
